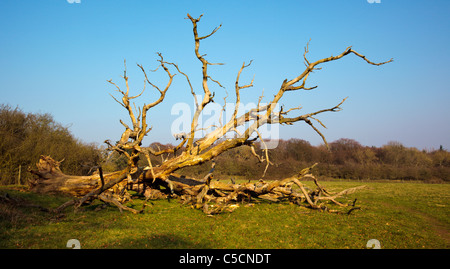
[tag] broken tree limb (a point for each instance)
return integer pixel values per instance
(97, 192)
(112, 200)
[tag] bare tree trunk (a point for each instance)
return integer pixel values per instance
(50, 179)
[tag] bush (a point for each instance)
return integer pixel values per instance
(24, 137)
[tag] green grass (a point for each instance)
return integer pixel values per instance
(399, 215)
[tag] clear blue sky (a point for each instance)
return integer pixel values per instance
(55, 57)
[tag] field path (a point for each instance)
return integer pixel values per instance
(436, 225)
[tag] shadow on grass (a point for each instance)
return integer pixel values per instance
(166, 241)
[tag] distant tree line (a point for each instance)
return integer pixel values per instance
(26, 136)
(345, 159)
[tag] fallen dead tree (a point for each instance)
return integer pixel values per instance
(210, 195)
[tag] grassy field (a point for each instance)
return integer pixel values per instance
(400, 215)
